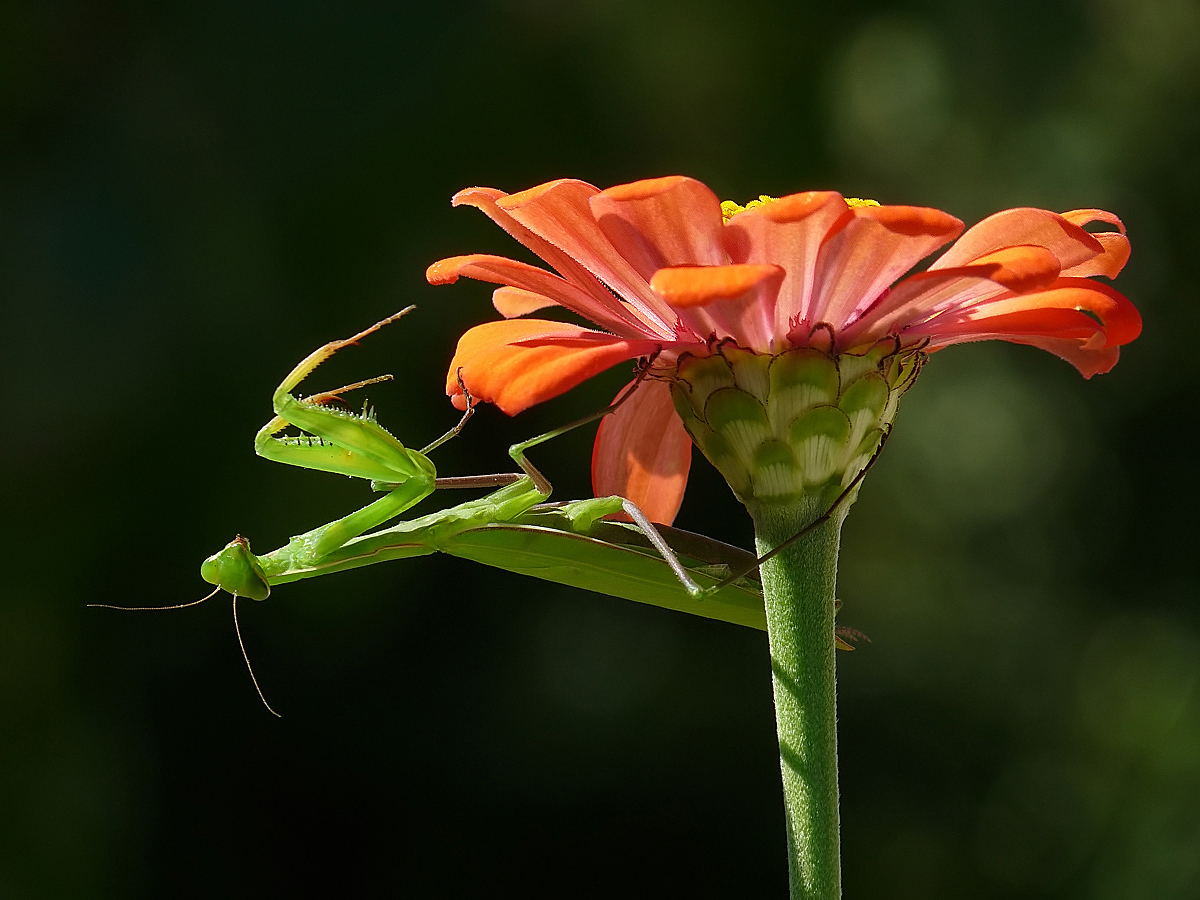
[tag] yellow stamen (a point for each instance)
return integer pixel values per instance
(729, 209)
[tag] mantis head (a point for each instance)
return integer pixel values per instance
(236, 570)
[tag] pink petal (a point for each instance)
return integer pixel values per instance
(788, 232)
(643, 453)
(871, 249)
(486, 200)
(660, 222)
(559, 213)
(497, 367)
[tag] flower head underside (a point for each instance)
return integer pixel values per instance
(663, 268)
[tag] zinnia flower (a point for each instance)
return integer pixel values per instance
(785, 331)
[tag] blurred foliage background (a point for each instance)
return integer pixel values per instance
(195, 195)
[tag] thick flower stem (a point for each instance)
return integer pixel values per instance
(798, 584)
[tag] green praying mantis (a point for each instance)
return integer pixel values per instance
(514, 527)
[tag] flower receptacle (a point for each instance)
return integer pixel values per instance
(796, 427)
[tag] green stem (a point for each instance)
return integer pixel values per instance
(798, 585)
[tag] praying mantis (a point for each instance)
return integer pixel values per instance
(514, 527)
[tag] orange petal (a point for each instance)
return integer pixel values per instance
(687, 286)
(916, 298)
(499, 270)
(1115, 244)
(559, 213)
(1024, 225)
(1088, 362)
(789, 232)
(1066, 333)
(1061, 320)
(512, 302)
(487, 200)
(497, 368)
(1022, 268)
(736, 301)
(1082, 217)
(643, 453)
(660, 222)
(1120, 320)
(869, 249)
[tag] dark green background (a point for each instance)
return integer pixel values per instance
(195, 195)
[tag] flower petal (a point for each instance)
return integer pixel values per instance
(867, 250)
(788, 232)
(1118, 319)
(1080, 320)
(736, 301)
(1115, 244)
(1065, 333)
(497, 367)
(500, 270)
(558, 212)
(512, 302)
(487, 201)
(916, 298)
(660, 222)
(1088, 362)
(643, 453)
(1024, 225)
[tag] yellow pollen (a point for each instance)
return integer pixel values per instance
(729, 209)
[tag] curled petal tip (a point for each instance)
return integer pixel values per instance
(473, 196)
(444, 271)
(515, 201)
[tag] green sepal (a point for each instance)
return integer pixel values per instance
(704, 374)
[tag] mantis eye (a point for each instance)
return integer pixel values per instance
(236, 570)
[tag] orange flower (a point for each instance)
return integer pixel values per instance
(659, 266)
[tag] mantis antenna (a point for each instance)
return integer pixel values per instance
(237, 629)
(144, 608)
